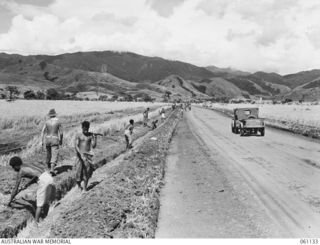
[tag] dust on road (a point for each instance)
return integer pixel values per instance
(219, 184)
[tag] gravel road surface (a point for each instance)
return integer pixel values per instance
(221, 185)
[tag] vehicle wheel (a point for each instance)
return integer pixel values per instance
(262, 132)
(241, 132)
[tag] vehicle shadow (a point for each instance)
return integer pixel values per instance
(249, 135)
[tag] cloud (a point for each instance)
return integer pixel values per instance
(6, 17)
(214, 7)
(35, 2)
(164, 8)
(273, 35)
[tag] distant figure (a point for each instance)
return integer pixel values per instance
(162, 113)
(128, 134)
(52, 136)
(173, 106)
(154, 124)
(181, 111)
(145, 117)
(84, 143)
(46, 189)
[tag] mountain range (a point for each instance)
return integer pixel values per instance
(120, 73)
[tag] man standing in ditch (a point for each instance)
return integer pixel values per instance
(128, 134)
(145, 117)
(84, 143)
(46, 189)
(52, 136)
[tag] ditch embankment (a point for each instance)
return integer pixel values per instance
(109, 148)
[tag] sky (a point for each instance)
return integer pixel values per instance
(269, 35)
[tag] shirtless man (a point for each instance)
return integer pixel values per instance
(162, 113)
(52, 136)
(145, 117)
(45, 190)
(84, 143)
(128, 134)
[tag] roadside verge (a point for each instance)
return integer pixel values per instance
(295, 128)
(125, 202)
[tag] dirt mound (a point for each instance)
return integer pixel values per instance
(106, 151)
(126, 201)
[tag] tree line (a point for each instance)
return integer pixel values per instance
(12, 92)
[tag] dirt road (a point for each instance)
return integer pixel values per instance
(219, 184)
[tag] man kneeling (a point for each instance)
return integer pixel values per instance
(45, 191)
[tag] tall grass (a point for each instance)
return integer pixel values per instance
(38, 108)
(105, 128)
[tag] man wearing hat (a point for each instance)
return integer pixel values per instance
(52, 136)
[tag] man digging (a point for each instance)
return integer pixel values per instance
(52, 136)
(46, 189)
(84, 143)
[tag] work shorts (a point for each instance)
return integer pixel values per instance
(46, 189)
(84, 168)
(52, 147)
(128, 136)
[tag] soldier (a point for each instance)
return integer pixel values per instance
(145, 117)
(84, 143)
(52, 136)
(128, 134)
(46, 189)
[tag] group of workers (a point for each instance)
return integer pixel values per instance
(52, 140)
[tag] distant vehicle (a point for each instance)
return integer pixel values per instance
(247, 121)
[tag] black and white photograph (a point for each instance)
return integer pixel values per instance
(153, 119)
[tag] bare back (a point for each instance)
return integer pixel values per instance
(31, 171)
(52, 127)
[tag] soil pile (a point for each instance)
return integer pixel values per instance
(13, 220)
(125, 203)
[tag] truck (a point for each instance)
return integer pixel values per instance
(246, 121)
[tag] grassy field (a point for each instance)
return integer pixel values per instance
(308, 115)
(21, 120)
(27, 133)
(40, 108)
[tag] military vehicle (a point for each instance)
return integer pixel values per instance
(247, 121)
